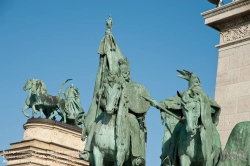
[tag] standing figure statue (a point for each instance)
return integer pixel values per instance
(190, 135)
(72, 96)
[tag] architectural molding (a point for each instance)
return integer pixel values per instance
(233, 42)
(225, 8)
(234, 34)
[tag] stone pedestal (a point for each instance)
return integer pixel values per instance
(47, 142)
(232, 93)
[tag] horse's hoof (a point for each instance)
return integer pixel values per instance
(84, 155)
(139, 161)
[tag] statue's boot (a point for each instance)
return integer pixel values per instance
(138, 149)
(87, 150)
(166, 162)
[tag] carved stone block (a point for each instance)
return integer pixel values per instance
(245, 74)
(221, 124)
(228, 107)
(243, 104)
(223, 64)
(221, 93)
(233, 119)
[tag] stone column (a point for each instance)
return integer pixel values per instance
(232, 21)
(47, 142)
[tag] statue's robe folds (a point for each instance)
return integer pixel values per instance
(172, 126)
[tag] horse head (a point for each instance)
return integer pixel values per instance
(112, 92)
(29, 84)
(191, 108)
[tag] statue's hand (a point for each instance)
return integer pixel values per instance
(153, 103)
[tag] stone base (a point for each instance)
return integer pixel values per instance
(47, 142)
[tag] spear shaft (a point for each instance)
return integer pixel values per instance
(162, 108)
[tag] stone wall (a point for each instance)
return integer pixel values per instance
(232, 90)
(233, 87)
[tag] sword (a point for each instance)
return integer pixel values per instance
(162, 108)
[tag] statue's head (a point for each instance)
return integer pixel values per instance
(192, 79)
(109, 24)
(124, 69)
(191, 109)
(112, 92)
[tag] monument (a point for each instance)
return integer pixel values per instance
(45, 140)
(115, 123)
(232, 21)
(190, 137)
(115, 126)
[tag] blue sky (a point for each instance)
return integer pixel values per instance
(54, 40)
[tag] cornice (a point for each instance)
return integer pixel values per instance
(225, 8)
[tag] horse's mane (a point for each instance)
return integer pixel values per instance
(41, 85)
(194, 94)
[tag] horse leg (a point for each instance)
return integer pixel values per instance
(64, 117)
(219, 4)
(34, 108)
(41, 112)
(120, 158)
(24, 109)
(33, 113)
(98, 157)
(54, 114)
(185, 160)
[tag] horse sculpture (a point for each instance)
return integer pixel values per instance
(112, 136)
(199, 142)
(39, 99)
(36, 87)
(104, 142)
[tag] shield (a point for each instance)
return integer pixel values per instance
(137, 104)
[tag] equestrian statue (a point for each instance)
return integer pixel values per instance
(115, 123)
(191, 137)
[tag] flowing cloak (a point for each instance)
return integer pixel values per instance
(110, 54)
(172, 126)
